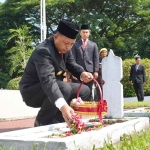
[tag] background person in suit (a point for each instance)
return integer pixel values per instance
(42, 82)
(85, 53)
(138, 78)
(102, 54)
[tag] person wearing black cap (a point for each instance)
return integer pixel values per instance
(42, 81)
(138, 78)
(86, 54)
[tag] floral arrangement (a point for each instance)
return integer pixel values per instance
(76, 125)
(77, 101)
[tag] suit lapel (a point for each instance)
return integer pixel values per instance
(134, 68)
(60, 61)
(81, 45)
(139, 68)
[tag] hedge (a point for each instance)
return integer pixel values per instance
(4, 79)
(13, 84)
(128, 88)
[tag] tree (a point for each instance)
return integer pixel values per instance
(143, 44)
(114, 24)
(15, 13)
(21, 50)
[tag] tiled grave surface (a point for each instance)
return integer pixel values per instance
(139, 112)
(27, 138)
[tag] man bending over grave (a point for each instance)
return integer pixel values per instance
(42, 82)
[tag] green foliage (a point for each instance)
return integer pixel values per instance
(128, 88)
(4, 79)
(119, 25)
(109, 20)
(137, 141)
(113, 23)
(14, 84)
(20, 52)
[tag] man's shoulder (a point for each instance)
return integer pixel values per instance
(46, 47)
(133, 65)
(141, 65)
(78, 42)
(92, 42)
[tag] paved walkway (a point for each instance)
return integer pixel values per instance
(6, 126)
(134, 99)
(23, 123)
(12, 125)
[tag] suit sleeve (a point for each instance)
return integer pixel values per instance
(73, 67)
(144, 74)
(131, 73)
(46, 73)
(96, 58)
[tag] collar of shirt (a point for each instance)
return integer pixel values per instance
(85, 41)
(136, 67)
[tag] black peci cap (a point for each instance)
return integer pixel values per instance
(68, 28)
(85, 27)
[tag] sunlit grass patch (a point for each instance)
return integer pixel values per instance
(136, 141)
(136, 104)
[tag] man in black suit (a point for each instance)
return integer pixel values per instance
(42, 81)
(85, 53)
(138, 78)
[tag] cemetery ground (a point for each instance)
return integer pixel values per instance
(136, 141)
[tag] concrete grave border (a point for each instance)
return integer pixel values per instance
(27, 138)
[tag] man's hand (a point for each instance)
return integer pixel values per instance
(86, 77)
(95, 75)
(144, 83)
(67, 111)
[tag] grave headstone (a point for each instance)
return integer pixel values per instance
(113, 89)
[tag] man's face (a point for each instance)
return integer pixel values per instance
(63, 43)
(103, 54)
(138, 61)
(85, 34)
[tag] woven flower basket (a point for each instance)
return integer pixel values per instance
(90, 108)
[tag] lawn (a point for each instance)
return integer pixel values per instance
(136, 141)
(129, 105)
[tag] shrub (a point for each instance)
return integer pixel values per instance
(14, 84)
(128, 88)
(4, 79)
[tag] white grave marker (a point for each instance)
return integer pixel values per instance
(113, 89)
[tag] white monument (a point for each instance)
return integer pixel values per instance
(113, 89)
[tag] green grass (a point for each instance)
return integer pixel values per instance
(136, 141)
(136, 104)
